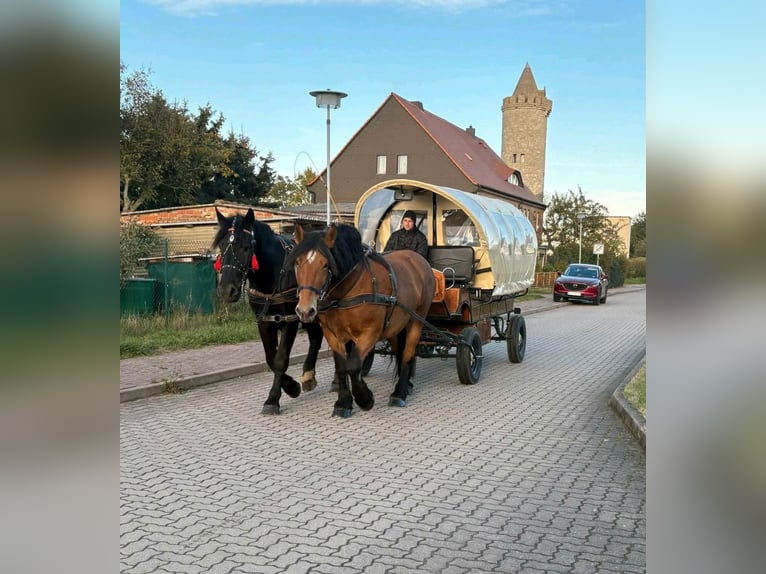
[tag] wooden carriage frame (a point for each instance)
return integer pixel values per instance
(476, 285)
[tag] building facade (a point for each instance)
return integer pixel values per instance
(402, 139)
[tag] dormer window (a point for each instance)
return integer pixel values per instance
(514, 179)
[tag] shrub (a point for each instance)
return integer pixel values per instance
(616, 271)
(636, 267)
(136, 241)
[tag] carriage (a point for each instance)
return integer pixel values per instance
(482, 251)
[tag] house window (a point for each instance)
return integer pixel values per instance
(381, 164)
(401, 164)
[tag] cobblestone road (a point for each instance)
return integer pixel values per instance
(527, 471)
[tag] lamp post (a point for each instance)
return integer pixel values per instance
(328, 99)
(580, 215)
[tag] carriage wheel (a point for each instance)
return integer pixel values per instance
(367, 364)
(468, 356)
(516, 338)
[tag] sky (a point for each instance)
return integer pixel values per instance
(256, 61)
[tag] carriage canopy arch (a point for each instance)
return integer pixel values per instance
(506, 245)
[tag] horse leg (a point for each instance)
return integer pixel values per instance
(314, 332)
(408, 341)
(349, 346)
(411, 382)
(269, 338)
(288, 331)
(344, 405)
(398, 397)
(362, 393)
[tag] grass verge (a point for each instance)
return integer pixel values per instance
(635, 391)
(149, 335)
(536, 293)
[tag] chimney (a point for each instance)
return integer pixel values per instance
(418, 104)
(471, 131)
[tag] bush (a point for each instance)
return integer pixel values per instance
(616, 271)
(136, 241)
(636, 267)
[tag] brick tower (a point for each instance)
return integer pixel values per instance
(525, 126)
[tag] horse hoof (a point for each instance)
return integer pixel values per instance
(342, 412)
(309, 384)
(396, 402)
(270, 410)
(365, 403)
(292, 388)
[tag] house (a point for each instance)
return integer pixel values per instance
(621, 225)
(404, 140)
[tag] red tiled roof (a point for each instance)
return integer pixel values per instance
(471, 154)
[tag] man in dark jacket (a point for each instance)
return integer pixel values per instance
(408, 237)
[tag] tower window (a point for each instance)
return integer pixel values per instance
(381, 165)
(522, 158)
(514, 158)
(401, 164)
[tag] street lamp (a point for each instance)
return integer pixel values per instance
(580, 215)
(328, 99)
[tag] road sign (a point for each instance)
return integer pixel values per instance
(598, 249)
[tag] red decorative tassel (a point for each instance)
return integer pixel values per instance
(254, 263)
(217, 264)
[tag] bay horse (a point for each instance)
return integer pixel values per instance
(360, 298)
(250, 250)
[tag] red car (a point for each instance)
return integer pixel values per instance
(581, 282)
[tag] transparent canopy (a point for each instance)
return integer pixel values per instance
(504, 240)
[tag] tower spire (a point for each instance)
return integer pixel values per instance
(526, 83)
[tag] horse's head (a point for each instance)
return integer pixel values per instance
(236, 245)
(315, 267)
(321, 260)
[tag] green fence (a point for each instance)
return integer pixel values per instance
(189, 283)
(178, 277)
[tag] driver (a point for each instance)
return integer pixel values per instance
(408, 237)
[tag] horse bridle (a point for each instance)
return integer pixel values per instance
(241, 267)
(331, 264)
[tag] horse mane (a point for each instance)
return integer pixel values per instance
(347, 251)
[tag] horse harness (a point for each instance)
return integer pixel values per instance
(375, 298)
(254, 295)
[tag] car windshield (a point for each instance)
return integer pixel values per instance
(577, 271)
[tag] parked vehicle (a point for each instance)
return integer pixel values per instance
(581, 282)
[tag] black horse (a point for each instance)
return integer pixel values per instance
(249, 249)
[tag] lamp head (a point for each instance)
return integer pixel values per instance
(328, 98)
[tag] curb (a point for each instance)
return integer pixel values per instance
(632, 419)
(186, 383)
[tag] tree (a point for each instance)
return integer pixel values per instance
(287, 192)
(638, 236)
(561, 229)
(248, 178)
(166, 152)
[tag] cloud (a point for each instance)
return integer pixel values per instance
(211, 7)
